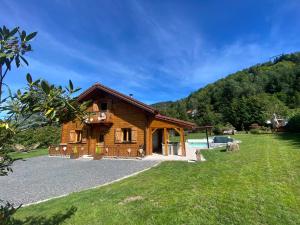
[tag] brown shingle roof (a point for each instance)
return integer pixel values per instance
(126, 98)
(176, 121)
(97, 86)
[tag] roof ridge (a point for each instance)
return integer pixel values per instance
(118, 94)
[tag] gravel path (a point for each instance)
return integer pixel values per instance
(44, 177)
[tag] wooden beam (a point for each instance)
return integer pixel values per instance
(207, 138)
(154, 129)
(182, 142)
(147, 141)
(177, 130)
(165, 141)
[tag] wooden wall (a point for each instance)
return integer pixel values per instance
(124, 115)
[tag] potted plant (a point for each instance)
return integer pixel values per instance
(75, 153)
(141, 151)
(198, 155)
(98, 153)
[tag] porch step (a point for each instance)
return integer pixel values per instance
(87, 157)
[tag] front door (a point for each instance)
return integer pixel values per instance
(97, 139)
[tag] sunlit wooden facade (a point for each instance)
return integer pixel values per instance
(120, 126)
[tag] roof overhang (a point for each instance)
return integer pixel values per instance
(84, 96)
(179, 122)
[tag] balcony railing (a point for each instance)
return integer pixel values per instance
(98, 117)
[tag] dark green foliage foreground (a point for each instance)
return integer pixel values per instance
(46, 136)
(26, 155)
(258, 185)
(248, 96)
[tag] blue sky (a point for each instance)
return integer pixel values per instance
(156, 50)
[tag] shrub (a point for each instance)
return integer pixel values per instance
(255, 131)
(218, 129)
(294, 123)
(261, 130)
(46, 136)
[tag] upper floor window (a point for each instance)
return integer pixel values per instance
(100, 106)
(103, 106)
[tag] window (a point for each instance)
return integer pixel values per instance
(101, 138)
(126, 134)
(78, 135)
(75, 136)
(103, 106)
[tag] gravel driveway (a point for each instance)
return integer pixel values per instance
(44, 177)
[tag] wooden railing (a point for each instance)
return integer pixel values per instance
(58, 150)
(122, 150)
(66, 149)
(98, 117)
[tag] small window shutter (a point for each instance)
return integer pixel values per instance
(134, 134)
(96, 106)
(118, 135)
(72, 136)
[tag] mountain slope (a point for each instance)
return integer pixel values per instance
(245, 97)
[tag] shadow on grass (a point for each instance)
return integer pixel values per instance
(293, 138)
(54, 219)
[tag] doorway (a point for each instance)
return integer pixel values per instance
(157, 140)
(97, 138)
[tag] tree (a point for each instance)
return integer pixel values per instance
(54, 104)
(14, 44)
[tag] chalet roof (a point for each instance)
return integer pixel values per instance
(174, 120)
(117, 94)
(97, 86)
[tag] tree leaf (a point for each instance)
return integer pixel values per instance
(17, 60)
(49, 111)
(45, 86)
(7, 63)
(29, 78)
(14, 31)
(77, 89)
(24, 60)
(30, 36)
(23, 35)
(70, 86)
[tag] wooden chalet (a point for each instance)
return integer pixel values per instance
(121, 126)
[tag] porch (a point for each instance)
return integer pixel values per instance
(118, 150)
(160, 141)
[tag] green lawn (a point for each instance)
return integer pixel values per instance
(258, 185)
(33, 153)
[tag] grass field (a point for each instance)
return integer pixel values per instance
(258, 185)
(26, 155)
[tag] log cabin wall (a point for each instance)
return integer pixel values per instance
(106, 129)
(123, 115)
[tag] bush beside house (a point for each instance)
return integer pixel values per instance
(294, 123)
(45, 136)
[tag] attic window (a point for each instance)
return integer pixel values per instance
(103, 106)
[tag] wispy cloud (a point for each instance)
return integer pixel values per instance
(155, 50)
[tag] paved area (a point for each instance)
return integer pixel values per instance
(44, 177)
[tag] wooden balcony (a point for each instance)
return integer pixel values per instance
(97, 117)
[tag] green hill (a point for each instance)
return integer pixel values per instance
(245, 97)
